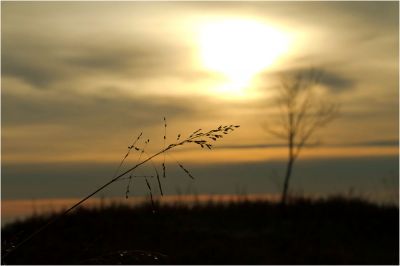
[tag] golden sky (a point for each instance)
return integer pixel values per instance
(80, 80)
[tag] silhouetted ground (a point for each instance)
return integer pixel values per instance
(334, 231)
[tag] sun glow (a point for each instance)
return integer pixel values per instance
(239, 49)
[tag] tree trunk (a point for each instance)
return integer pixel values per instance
(286, 182)
(289, 166)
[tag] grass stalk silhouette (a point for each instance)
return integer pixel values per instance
(165, 139)
(197, 137)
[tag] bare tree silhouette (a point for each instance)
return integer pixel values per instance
(301, 113)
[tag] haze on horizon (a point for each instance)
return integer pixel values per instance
(81, 80)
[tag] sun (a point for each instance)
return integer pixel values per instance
(239, 49)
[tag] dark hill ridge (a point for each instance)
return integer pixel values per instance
(333, 231)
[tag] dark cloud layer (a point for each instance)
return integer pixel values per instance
(335, 82)
(35, 71)
(364, 175)
(77, 110)
(374, 143)
(45, 44)
(381, 15)
(42, 66)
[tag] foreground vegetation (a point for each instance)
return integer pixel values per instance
(333, 231)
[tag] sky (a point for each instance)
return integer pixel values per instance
(81, 80)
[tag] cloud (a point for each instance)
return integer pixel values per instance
(64, 125)
(43, 47)
(44, 65)
(378, 143)
(381, 17)
(374, 143)
(336, 82)
(325, 175)
(101, 68)
(68, 108)
(31, 67)
(140, 59)
(44, 53)
(333, 81)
